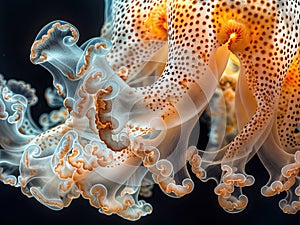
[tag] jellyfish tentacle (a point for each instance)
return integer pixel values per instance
(277, 183)
(163, 171)
(205, 165)
(167, 161)
(283, 165)
(281, 177)
(291, 204)
(194, 160)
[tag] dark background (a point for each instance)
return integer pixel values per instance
(19, 24)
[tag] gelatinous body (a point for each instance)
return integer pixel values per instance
(131, 98)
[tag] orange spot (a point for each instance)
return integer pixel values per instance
(156, 22)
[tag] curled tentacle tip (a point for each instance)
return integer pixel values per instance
(195, 161)
(275, 188)
(181, 190)
(289, 208)
(233, 204)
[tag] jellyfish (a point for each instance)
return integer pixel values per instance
(130, 99)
